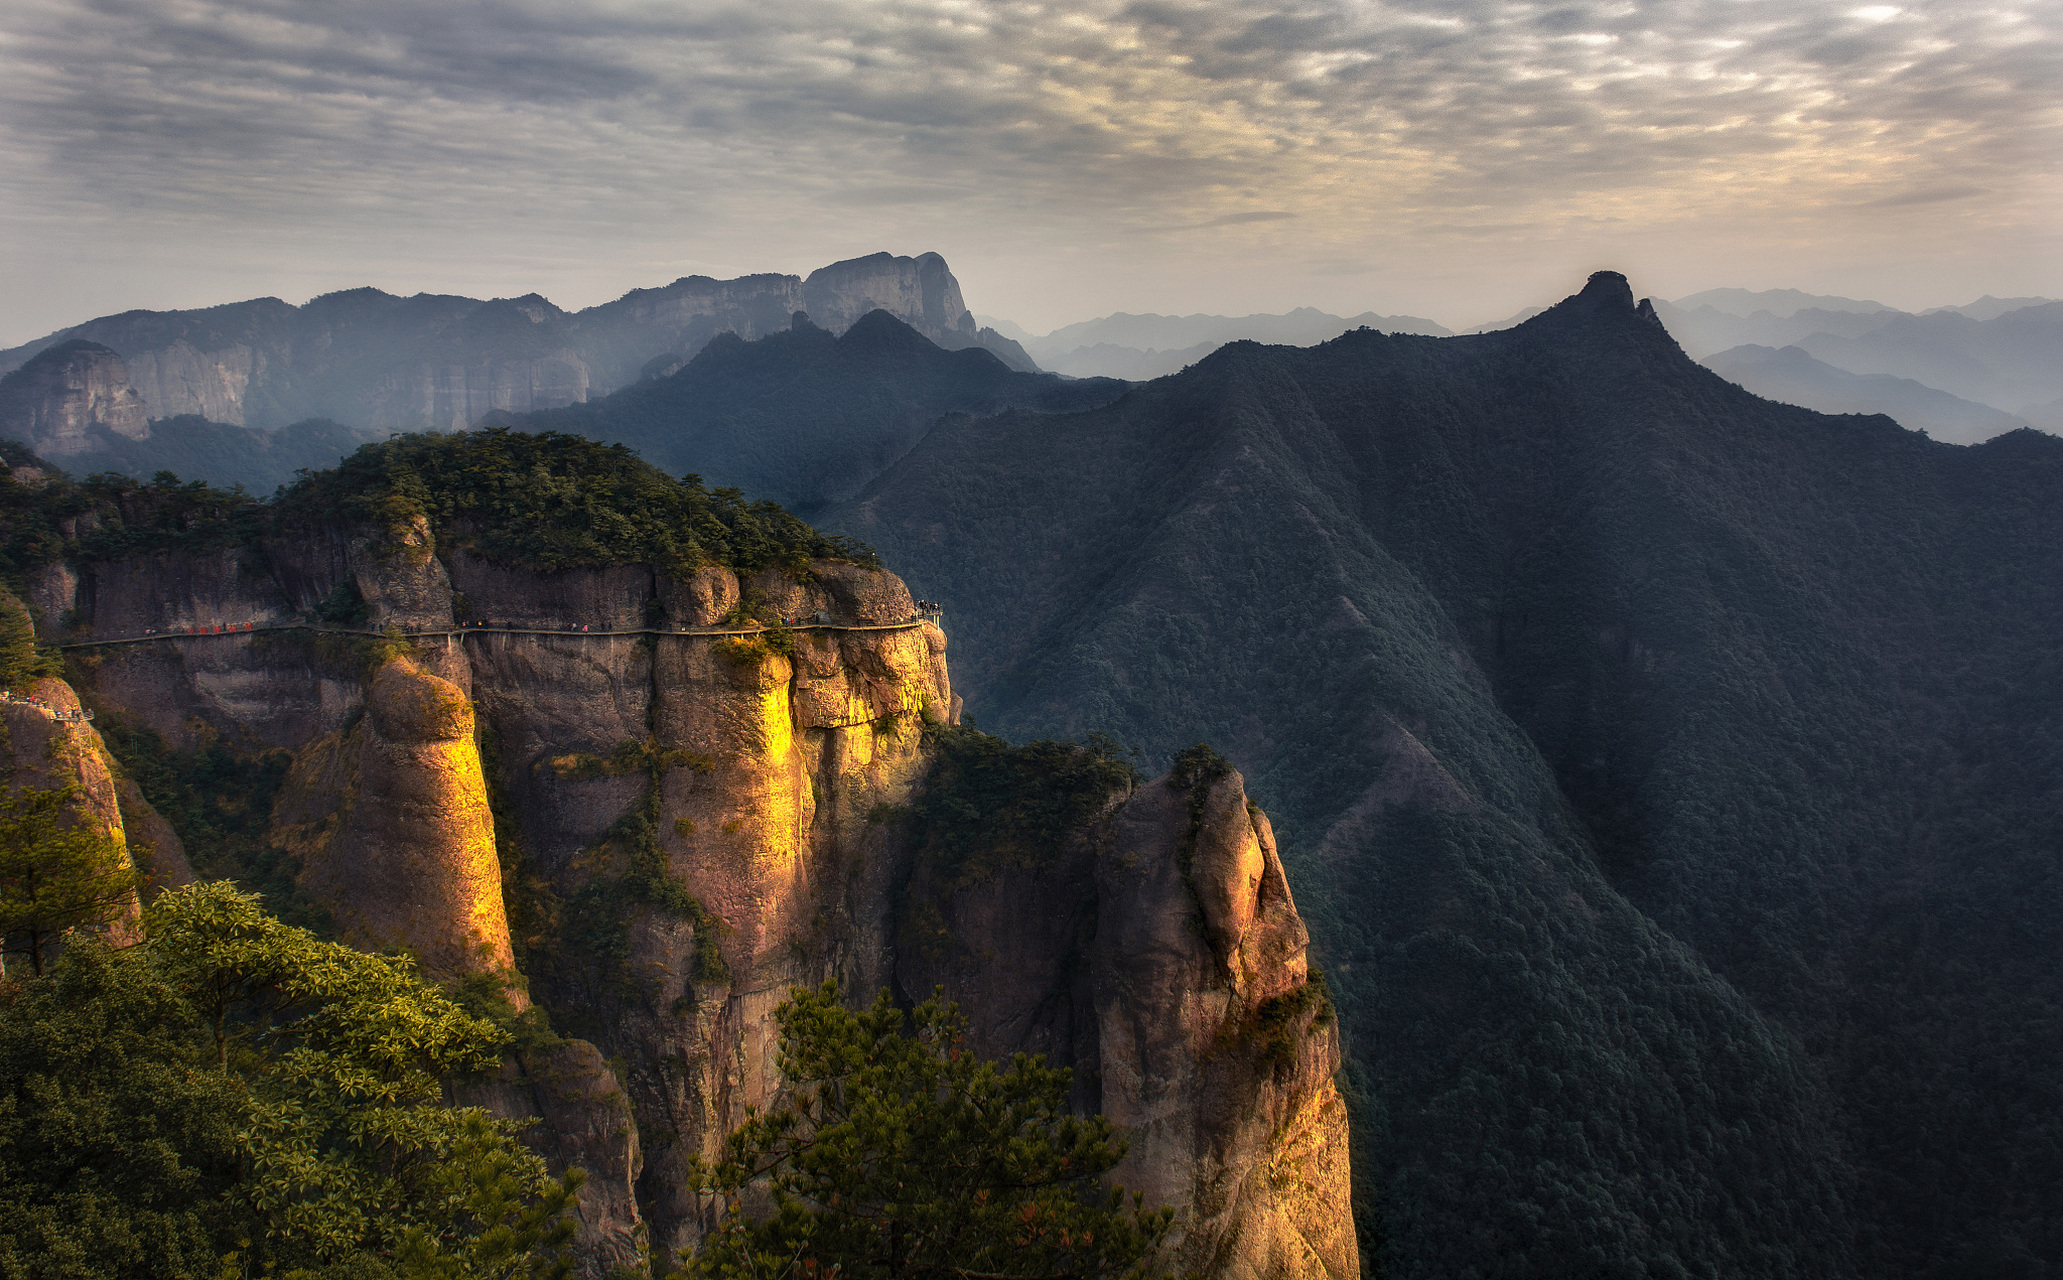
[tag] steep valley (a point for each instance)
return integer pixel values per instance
(613, 792)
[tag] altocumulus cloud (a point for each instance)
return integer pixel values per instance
(1076, 120)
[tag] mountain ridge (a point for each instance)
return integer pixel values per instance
(1579, 681)
(371, 359)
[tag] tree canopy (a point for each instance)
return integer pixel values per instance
(233, 1095)
(901, 1154)
(59, 870)
(552, 501)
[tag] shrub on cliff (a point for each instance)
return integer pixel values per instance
(900, 1154)
(986, 803)
(236, 1097)
(551, 501)
(58, 871)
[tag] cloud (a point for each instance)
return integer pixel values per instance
(516, 125)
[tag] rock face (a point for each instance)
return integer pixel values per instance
(370, 360)
(46, 747)
(1163, 959)
(408, 859)
(60, 399)
(691, 822)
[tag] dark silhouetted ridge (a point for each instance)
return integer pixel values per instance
(1669, 775)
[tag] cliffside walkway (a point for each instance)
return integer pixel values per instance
(482, 629)
(55, 713)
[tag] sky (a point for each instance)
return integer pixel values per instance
(1456, 160)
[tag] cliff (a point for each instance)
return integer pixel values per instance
(68, 398)
(653, 824)
(47, 744)
(373, 361)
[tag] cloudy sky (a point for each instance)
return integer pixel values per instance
(1451, 158)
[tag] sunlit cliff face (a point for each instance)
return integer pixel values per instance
(1068, 157)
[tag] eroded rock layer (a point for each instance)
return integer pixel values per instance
(654, 826)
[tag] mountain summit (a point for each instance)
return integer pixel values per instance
(368, 359)
(1670, 774)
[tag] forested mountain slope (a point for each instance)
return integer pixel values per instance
(1676, 773)
(803, 416)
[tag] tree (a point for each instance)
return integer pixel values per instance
(901, 1154)
(236, 1096)
(59, 870)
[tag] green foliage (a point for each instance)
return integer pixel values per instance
(345, 606)
(900, 1154)
(1281, 1020)
(553, 501)
(236, 1086)
(59, 870)
(20, 661)
(119, 1140)
(580, 942)
(110, 515)
(986, 804)
(219, 802)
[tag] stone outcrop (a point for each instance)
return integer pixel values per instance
(46, 747)
(392, 824)
(371, 360)
(1162, 959)
(60, 402)
(666, 829)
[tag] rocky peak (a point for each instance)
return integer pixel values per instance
(920, 290)
(58, 400)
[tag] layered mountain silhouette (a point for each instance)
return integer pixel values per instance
(1141, 347)
(1673, 777)
(74, 403)
(369, 359)
(1793, 376)
(1996, 352)
(806, 417)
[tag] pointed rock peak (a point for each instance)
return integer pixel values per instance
(878, 330)
(800, 322)
(1605, 295)
(1646, 312)
(1608, 287)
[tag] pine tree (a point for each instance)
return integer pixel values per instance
(59, 870)
(901, 1154)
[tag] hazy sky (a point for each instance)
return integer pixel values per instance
(1454, 159)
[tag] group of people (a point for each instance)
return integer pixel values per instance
(55, 713)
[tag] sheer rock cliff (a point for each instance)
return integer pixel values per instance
(371, 360)
(653, 826)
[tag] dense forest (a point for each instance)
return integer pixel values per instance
(1671, 777)
(540, 501)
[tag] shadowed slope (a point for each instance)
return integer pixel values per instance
(1570, 670)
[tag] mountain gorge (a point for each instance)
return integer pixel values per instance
(1672, 772)
(560, 741)
(1668, 778)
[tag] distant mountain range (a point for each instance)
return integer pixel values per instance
(369, 359)
(2004, 354)
(1973, 371)
(1143, 347)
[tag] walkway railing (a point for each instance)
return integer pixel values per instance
(257, 626)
